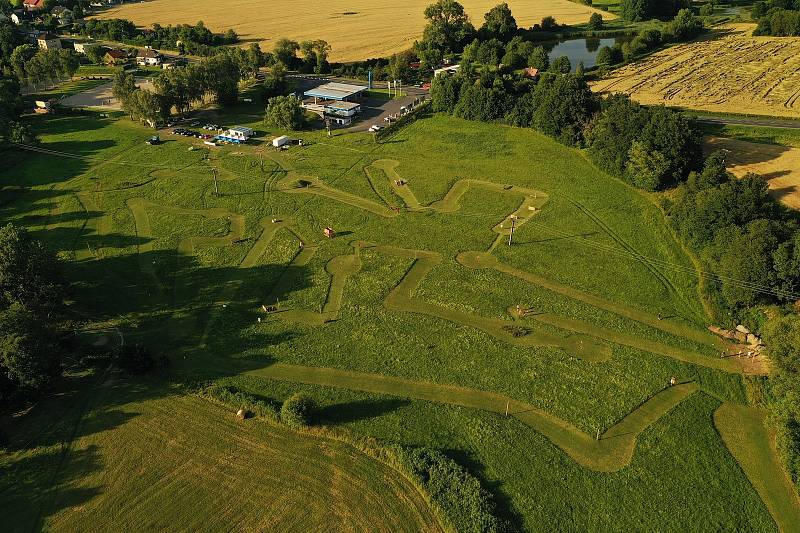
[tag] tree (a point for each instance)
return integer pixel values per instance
(564, 104)
(275, 82)
(561, 65)
(549, 24)
(613, 131)
(285, 51)
(147, 107)
(448, 27)
(284, 112)
(30, 274)
(94, 54)
(124, 85)
(685, 26)
(646, 168)
(298, 410)
(255, 58)
(445, 92)
(635, 10)
(20, 57)
(539, 59)
(596, 21)
(400, 66)
(499, 23)
(315, 55)
(30, 357)
(604, 57)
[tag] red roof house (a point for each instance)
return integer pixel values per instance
(531, 72)
(33, 5)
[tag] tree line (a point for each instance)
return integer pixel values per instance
(777, 17)
(32, 292)
(197, 39)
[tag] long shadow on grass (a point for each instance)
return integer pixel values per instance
(343, 413)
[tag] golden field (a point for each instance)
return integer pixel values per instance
(780, 165)
(729, 71)
(355, 30)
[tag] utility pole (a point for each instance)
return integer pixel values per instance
(511, 234)
(506, 408)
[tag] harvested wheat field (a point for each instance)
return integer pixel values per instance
(729, 71)
(780, 165)
(182, 462)
(355, 30)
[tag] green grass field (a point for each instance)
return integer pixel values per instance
(417, 323)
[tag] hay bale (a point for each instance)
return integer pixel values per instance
(241, 414)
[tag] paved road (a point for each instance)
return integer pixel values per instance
(747, 121)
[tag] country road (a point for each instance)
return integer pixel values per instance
(747, 121)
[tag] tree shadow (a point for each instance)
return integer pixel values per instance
(353, 411)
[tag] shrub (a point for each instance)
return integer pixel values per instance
(596, 21)
(298, 410)
(135, 359)
(457, 494)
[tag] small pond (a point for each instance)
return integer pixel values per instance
(581, 49)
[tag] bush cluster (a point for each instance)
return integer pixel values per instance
(458, 495)
(298, 410)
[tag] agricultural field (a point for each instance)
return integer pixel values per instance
(417, 324)
(356, 30)
(143, 458)
(728, 71)
(780, 165)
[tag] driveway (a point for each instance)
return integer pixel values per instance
(101, 96)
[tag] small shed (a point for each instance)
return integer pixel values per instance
(277, 142)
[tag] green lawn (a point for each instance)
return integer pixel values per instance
(419, 285)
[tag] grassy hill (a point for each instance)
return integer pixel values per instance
(417, 322)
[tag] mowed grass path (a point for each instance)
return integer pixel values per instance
(594, 236)
(356, 30)
(167, 461)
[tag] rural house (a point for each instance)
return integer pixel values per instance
(33, 5)
(148, 57)
(530, 72)
(48, 41)
(18, 16)
(82, 46)
(115, 57)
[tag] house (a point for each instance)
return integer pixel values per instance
(33, 5)
(48, 41)
(237, 134)
(341, 112)
(148, 57)
(115, 57)
(449, 69)
(530, 72)
(81, 46)
(173, 62)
